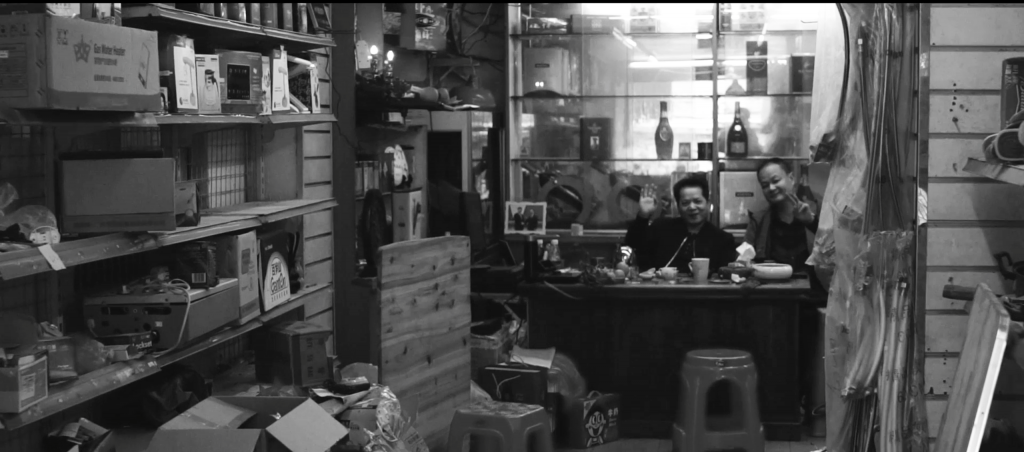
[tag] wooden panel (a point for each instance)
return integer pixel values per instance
(935, 408)
(939, 373)
(320, 272)
(946, 157)
(316, 144)
(317, 191)
(421, 260)
(968, 70)
(977, 26)
(974, 385)
(316, 170)
(317, 223)
(971, 278)
(319, 248)
(944, 333)
(325, 96)
(319, 302)
(974, 202)
(424, 328)
(972, 246)
(974, 113)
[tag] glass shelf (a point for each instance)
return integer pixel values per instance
(776, 126)
(550, 128)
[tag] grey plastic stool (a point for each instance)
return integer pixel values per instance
(702, 370)
(510, 426)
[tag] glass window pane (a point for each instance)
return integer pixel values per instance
(599, 196)
(776, 63)
(626, 17)
(757, 17)
(550, 128)
(777, 126)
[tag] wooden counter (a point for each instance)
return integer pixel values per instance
(631, 339)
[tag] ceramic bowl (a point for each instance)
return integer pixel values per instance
(646, 276)
(773, 271)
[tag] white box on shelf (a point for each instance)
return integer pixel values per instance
(209, 83)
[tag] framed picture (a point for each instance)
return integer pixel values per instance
(526, 217)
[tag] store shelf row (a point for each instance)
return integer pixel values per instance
(661, 34)
(225, 33)
(17, 264)
(129, 119)
(118, 375)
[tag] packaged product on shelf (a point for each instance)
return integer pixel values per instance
(268, 14)
(96, 203)
(266, 107)
(60, 69)
(23, 382)
(203, 8)
(243, 82)
(757, 67)
(286, 13)
(186, 204)
(319, 19)
(301, 18)
(238, 257)
(178, 73)
(61, 354)
(275, 285)
(195, 263)
(236, 11)
(220, 10)
(210, 83)
(279, 80)
(53, 9)
(802, 73)
(306, 85)
(253, 12)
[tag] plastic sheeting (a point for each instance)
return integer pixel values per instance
(864, 247)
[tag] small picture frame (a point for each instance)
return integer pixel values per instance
(526, 218)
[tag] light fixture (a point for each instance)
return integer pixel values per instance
(373, 50)
(391, 55)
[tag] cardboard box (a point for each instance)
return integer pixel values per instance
(243, 82)
(802, 77)
(302, 17)
(60, 352)
(266, 108)
(590, 421)
(24, 383)
(250, 424)
(140, 342)
(306, 86)
(237, 257)
(62, 63)
(757, 67)
(293, 353)
(253, 11)
(275, 285)
(53, 9)
(210, 83)
(408, 214)
(279, 80)
(111, 195)
(178, 73)
(211, 309)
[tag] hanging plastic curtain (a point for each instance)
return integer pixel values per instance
(864, 247)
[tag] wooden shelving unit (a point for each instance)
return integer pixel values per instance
(17, 264)
(115, 376)
(227, 33)
(1002, 172)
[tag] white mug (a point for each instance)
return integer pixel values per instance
(699, 266)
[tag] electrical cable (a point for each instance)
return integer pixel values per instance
(178, 287)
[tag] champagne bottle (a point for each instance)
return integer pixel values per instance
(736, 140)
(663, 137)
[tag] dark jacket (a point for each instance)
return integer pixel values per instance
(655, 243)
(758, 233)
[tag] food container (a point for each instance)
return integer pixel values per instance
(772, 271)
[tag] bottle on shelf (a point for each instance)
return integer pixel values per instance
(736, 139)
(663, 137)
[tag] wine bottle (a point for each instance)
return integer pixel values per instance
(736, 140)
(663, 137)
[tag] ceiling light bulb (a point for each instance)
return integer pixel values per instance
(373, 50)
(391, 55)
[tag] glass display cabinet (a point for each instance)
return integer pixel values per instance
(592, 86)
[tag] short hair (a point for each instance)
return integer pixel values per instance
(776, 161)
(692, 181)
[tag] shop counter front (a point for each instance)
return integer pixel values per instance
(631, 339)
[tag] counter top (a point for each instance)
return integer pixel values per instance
(795, 290)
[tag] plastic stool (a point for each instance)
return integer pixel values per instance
(510, 425)
(703, 370)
